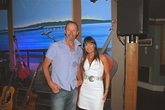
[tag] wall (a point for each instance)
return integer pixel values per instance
(117, 83)
(152, 58)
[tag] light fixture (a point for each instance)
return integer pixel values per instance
(93, 1)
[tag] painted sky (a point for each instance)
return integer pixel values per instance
(27, 12)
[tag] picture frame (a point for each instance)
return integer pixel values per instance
(145, 42)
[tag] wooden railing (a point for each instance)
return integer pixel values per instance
(4, 54)
(26, 53)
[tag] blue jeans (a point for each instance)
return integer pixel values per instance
(64, 100)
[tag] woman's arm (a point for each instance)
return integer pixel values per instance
(107, 75)
(79, 76)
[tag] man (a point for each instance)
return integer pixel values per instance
(65, 77)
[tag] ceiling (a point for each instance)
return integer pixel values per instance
(157, 9)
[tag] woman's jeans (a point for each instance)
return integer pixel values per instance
(64, 100)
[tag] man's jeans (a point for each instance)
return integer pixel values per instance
(64, 100)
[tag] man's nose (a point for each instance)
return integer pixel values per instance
(71, 32)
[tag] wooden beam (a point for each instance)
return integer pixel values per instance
(10, 37)
(76, 15)
(131, 76)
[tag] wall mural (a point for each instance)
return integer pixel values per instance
(33, 18)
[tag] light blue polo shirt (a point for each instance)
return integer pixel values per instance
(64, 63)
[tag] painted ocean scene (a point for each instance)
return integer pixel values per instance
(31, 18)
(33, 39)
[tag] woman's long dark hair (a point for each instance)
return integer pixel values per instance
(89, 39)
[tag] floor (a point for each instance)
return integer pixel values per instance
(146, 100)
(150, 100)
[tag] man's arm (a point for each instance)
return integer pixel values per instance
(45, 68)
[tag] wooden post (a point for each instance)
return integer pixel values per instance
(76, 15)
(10, 37)
(131, 76)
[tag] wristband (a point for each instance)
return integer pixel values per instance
(107, 89)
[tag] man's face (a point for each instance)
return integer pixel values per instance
(71, 31)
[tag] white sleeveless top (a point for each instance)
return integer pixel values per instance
(91, 93)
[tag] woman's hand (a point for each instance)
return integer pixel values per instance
(79, 82)
(105, 97)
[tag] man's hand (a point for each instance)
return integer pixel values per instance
(55, 87)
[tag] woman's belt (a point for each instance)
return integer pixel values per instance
(92, 78)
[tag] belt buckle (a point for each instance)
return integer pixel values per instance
(91, 78)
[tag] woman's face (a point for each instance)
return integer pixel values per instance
(89, 47)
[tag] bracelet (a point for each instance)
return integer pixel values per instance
(107, 89)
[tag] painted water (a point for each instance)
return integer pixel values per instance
(33, 39)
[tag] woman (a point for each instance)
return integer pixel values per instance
(92, 93)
